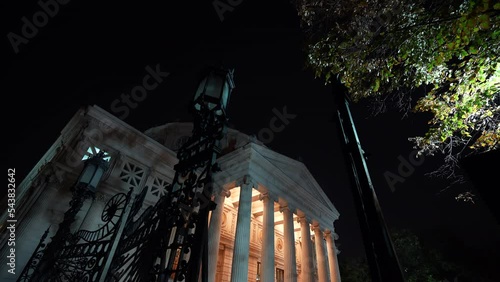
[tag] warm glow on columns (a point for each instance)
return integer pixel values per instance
(320, 254)
(239, 268)
(267, 251)
(307, 250)
(214, 230)
(289, 252)
(332, 257)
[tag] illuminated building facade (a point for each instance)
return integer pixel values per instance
(273, 222)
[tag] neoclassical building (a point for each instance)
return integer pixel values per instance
(273, 222)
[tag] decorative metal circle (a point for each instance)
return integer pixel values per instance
(114, 208)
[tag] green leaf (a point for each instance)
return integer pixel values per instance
(440, 40)
(485, 21)
(455, 58)
(377, 85)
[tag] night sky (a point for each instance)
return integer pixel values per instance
(89, 53)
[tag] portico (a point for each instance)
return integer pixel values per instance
(275, 224)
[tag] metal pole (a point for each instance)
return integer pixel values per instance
(200, 245)
(382, 258)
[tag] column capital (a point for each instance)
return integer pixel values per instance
(330, 233)
(300, 213)
(302, 219)
(327, 234)
(247, 179)
(225, 192)
(315, 226)
(284, 208)
(266, 194)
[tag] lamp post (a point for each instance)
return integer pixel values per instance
(85, 187)
(382, 258)
(199, 153)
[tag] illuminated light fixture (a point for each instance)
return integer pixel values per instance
(93, 170)
(214, 91)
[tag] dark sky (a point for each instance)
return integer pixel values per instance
(91, 52)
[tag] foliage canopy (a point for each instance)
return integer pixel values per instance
(389, 50)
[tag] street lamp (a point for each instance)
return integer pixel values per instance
(85, 187)
(93, 170)
(201, 151)
(214, 91)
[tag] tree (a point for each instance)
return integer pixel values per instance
(444, 54)
(354, 270)
(419, 261)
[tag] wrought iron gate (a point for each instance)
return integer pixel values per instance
(166, 242)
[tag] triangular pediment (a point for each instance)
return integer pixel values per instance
(297, 172)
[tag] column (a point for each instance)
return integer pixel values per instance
(289, 253)
(214, 230)
(332, 257)
(267, 252)
(320, 254)
(239, 269)
(307, 255)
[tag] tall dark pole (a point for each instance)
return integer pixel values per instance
(382, 259)
(201, 151)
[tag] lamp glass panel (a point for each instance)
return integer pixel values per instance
(87, 174)
(201, 87)
(97, 177)
(225, 95)
(214, 86)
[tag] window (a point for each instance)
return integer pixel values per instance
(131, 174)
(280, 275)
(159, 187)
